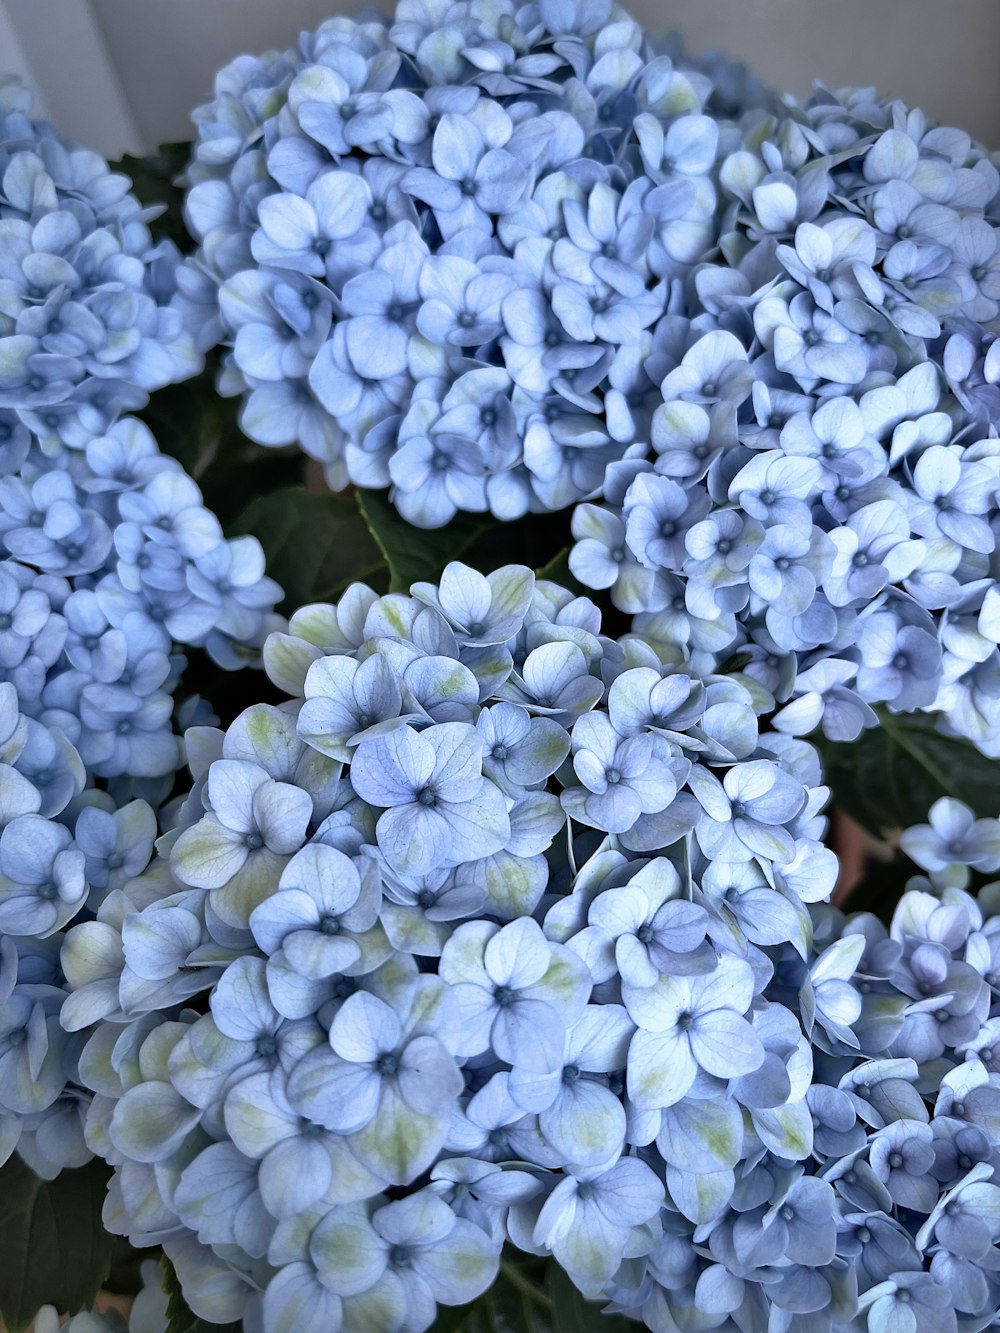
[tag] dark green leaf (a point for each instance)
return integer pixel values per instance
(516, 1303)
(180, 1318)
(124, 1277)
(572, 1314)
(413, 553)
(519, 1300)
(481, 541)
(236, 480)
(155, 181)
(880, 888)
(557, 570)
(316, 543)
(474, 1318)
(891, 776)
(189, 420)
(537, 540)
(53, 1247)
(193, 424)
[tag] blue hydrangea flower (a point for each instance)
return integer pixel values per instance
(649, 1043)
(431, 198)
(90, 299)
(434, 794)
(494, 886)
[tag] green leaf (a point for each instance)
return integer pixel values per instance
(193, 424)
(516, 1303)
(479, 540)
(891, 776)
(557, 570)
(410, 553)
(53, 1246)
(180, 1319)
(155, 181)
(124, 1277)
(474, 1318)
(880, 888)
(519, 1299)
(536, 540)
(316, 543)
(572, 1314)
(189, 420)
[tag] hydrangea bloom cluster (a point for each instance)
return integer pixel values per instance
(91, 318)
(820, 491)
(448, 246)
(109, 564)
(501, 930)
(507, 257)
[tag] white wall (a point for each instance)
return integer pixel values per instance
(59, 49)
(157, 57)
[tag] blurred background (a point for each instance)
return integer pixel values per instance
(122, 75)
